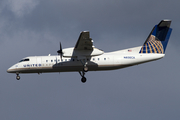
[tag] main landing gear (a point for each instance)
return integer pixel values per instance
(18, 77)
(83, 79)
(84, 63)
(85, 69)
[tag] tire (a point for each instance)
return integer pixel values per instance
(83, 79)
(18, 77)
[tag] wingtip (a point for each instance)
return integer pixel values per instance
(85, 31)
(166, 20)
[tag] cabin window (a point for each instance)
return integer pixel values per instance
(98, 59)
(51, 60)
(72, 59)
(93, 59)
(46, 60)
(104, 58)
(58, 60)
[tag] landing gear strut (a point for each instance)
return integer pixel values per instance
(84, 62)
(83, 79)
(85, 69)
(17, 77)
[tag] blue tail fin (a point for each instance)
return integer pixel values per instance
(158, 38)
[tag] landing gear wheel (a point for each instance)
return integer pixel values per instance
(83, 79)
(85, 69)
(18, 77)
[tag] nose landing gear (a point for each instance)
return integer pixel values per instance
(18, 77)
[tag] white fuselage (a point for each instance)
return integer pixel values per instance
(86, 57)
(106, 61)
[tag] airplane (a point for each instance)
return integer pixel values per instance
(85, 57)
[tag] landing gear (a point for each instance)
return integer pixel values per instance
(83, 79)
(85, 69)
(84, 63)
(17, 77)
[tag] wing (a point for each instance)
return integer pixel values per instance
(83, 48)
(84, 42)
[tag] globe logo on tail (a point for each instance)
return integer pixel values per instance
(152, 45)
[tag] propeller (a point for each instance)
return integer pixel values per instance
(60, 52)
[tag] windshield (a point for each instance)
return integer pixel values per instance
(24, 60)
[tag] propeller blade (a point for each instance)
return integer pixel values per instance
(60, 46)
(60, 51)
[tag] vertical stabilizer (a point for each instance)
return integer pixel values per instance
(158, 38)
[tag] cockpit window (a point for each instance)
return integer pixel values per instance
(24, 60)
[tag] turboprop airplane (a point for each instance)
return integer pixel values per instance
(85, 57)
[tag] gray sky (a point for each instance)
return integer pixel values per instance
(35, 27)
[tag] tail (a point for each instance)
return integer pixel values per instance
(158, 38)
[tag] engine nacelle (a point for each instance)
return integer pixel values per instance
(71, 52)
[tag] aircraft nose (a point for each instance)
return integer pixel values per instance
(8, 70)
(11, 70)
